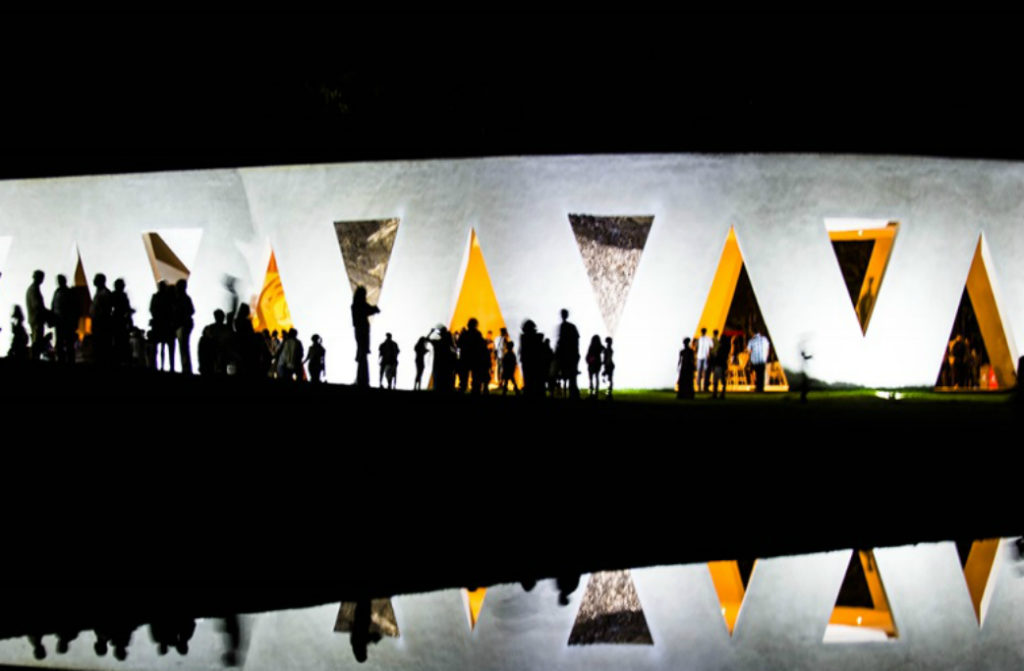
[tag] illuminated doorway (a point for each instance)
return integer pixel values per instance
(731, 579)
(862, 612)
(977, 559)
(611, 247)
(862, 248)
(732, 309)
(977, 355)
(476, 299)
(610, 612)
(270, 309)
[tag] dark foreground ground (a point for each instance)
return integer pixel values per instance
(137, 494)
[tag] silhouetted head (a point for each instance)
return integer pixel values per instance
(182, 285)
(119, 284)
(529, 327)
(565, 314)
(360, 295)
(387, 336)
(472, 323)
(243, 311)
(292, 333)
(715, 333)
(62, 281)
(316, 338)
(218, 316)
(608, 341)
(703, 331)
(504, 332)
(686, 342)
(596, 340)
(17, 314)
(38, 276)
(510, 345)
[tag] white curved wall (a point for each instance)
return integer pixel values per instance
(519, 208)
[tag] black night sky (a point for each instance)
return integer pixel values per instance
(93, 93)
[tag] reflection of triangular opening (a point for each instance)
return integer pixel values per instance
(863, 248)
(165, 263)
(978, 352)
(366, 249)
(731, 579)
(382, 618)
(473, 599)
(977, 559)
(477, 299)
(610, 612)
(732, 309)
(611, 248)
(862, 609)
(270, 309)
(83, 296)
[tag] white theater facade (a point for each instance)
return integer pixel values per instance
(863, 262)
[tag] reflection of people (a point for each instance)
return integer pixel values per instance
(866, 301)
(759, 348)
(361, 312)
(686, 370)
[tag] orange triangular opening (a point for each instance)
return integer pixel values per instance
(80, 285)
(270, 309)
(978, 353)
(862, 610)
(610, 612)
(474, 603)
(731, 579)
(863, 255)
(477, 299)
(977, 559)
(732, 309)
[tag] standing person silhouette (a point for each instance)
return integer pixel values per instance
(759, 348)
(687, 368)
(609, 366)
(595, 357)
(421, 353)
(361, 312)
(567, 353)
(38, 315)
(65, 317)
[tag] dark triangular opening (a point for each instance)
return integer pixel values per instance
(610, 612)
(854, 257)
(744, 318)
(963, 550)
(965, 351)
(854, 592)
(746, 567)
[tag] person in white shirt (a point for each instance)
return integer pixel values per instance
(704, 347)
(759, 347)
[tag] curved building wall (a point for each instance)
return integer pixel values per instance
(519, 209)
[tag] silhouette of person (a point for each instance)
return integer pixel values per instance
(508, 368)
(316, 360)
(444, 358)
(65, 319)
(499, 351)
(720, 364)
(102, 312)
(421, 352)
(161, 311)
(38, 315)
(361, 313)
(388, 361)
(121, 322)
(595, 357)
(531, 346)
(183, 324)
(289, 359)
(360, 635)
(687, 369)
(609, 366)
(19, 336)
(567, 353)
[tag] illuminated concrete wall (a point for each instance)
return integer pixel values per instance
(781, 625)
(519, 209)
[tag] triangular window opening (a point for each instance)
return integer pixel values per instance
(382, 617)
(977, 559)
(731, 580)
(610, 612)
(862, 248)
(862, 612)
(270, 309)
(611, 247)
(165, 263)
(83, 295)
(366, 251)
(977, 355)
(473, 599)
(477, 300)
(732, 309)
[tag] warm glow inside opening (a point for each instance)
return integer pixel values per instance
(862, 610)
(978, 573)
(477, 299)
(84, 296)
(731, 307)
(978, 353)
(731, 588)
(474, 602)
(863, 254)
(270, 309)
